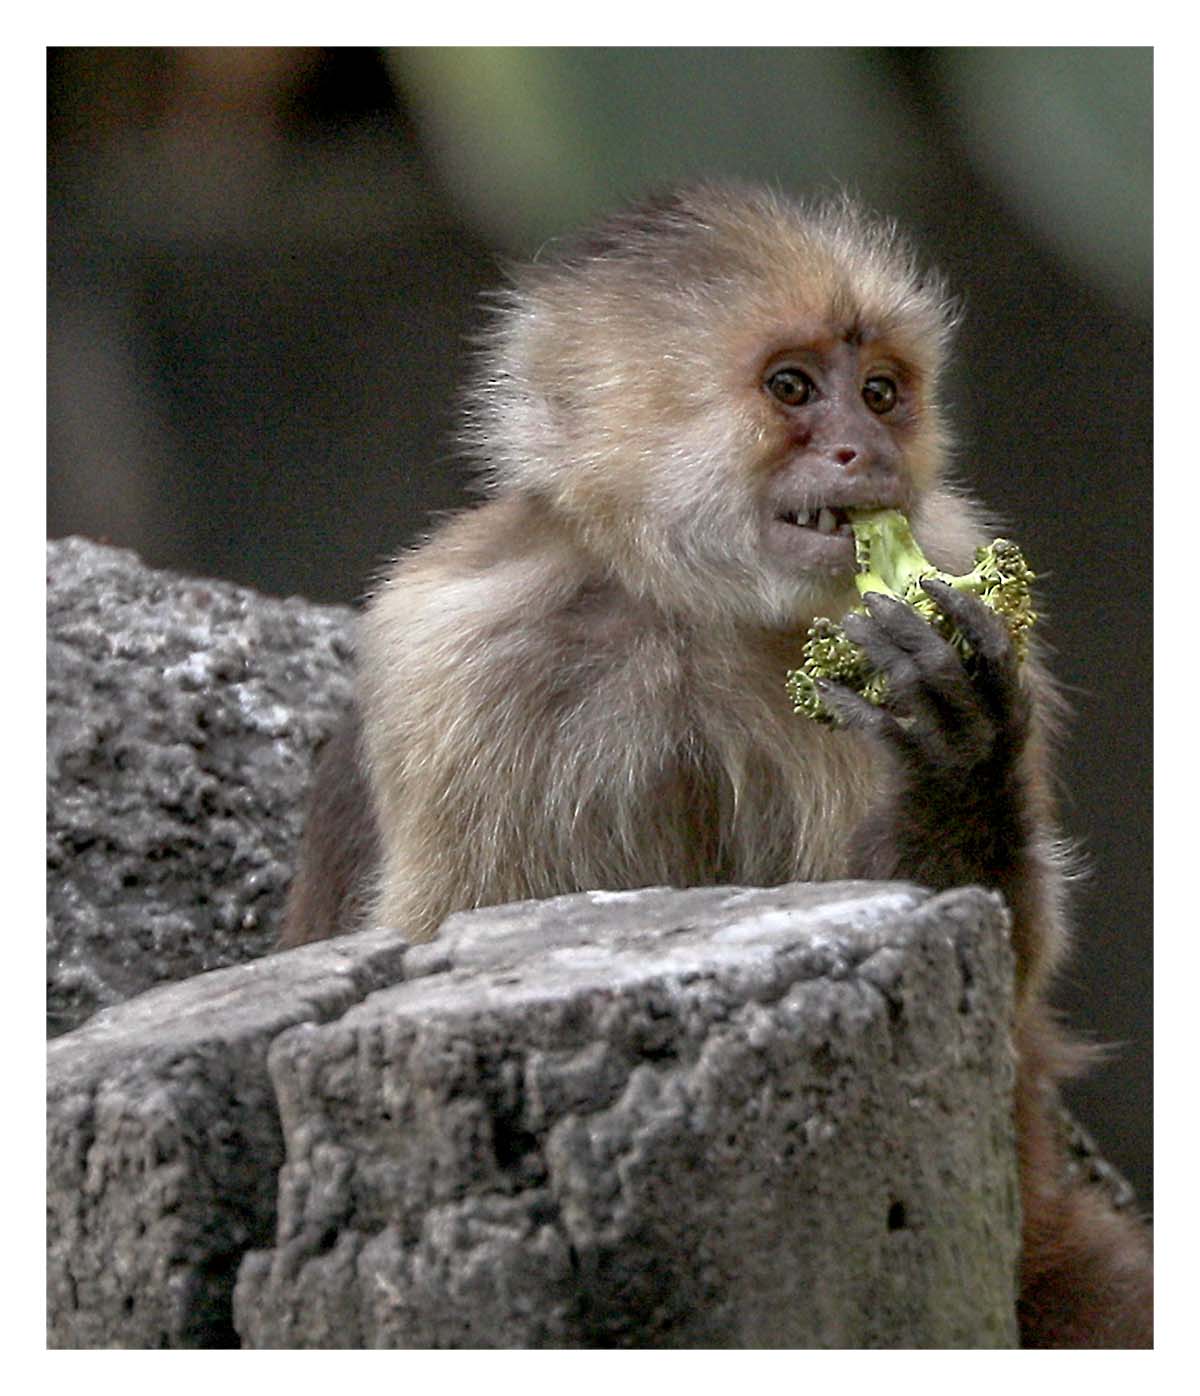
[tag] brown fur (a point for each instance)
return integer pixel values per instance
(339, 850)
(579, 684)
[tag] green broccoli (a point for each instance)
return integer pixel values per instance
(890, 561)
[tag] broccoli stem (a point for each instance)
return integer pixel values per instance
(889, 558)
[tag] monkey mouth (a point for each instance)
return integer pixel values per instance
(811, 540)
(827, 519)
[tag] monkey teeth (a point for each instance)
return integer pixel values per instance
(824, 520)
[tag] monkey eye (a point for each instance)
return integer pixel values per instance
(791, 386)
(880, 394)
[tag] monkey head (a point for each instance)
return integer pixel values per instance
(702, 386)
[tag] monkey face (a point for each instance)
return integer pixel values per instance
(839, 417)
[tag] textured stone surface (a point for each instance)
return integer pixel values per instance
(163, 1144)
(182, 720)
(711, 1118)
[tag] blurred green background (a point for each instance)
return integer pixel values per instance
(265, 267)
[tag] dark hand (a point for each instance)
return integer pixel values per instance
(955, 730)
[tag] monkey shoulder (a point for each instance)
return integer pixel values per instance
(496, 614)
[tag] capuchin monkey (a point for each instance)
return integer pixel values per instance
(580, 683)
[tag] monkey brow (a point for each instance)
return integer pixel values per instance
(858, 325)
(844, 309)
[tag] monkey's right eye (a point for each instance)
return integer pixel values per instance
(791, 387)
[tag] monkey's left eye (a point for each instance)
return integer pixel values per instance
(880, 394)
(792, 387)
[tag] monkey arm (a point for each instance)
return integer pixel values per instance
(959, 809)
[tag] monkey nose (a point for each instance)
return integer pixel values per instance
(845, 454)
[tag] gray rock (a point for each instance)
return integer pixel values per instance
(707, 1118)
(163, 1144)
(717, 1118)
(182, 720)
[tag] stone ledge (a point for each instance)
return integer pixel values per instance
(717, 1117)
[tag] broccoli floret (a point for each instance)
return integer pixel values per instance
(890, 561)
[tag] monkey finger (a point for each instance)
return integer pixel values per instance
(885, 655)
(994, 662)
(905, 627)
(852, 710)
(980, 626)
(925, 674)
(936, 662)
(916, 743)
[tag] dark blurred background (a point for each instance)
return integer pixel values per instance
(265, 266)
